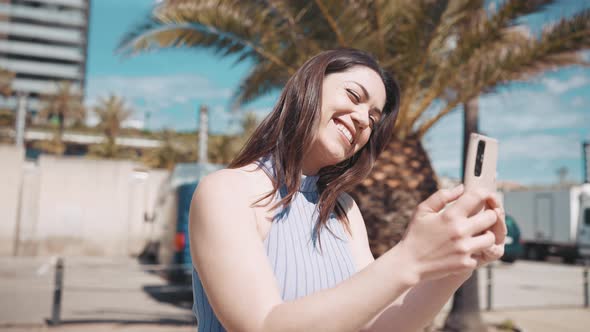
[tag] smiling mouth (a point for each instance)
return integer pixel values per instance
(342, 128)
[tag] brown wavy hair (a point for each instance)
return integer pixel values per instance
(288, 131)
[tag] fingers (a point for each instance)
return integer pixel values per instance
(493, 201)
(437, 201)
(480, 222)
(478, 243)
(499, 227)
(492, 253)
(472, 202)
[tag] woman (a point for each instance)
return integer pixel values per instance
(276, 243)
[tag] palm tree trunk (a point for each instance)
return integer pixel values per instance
(401, 178)
(465, 313)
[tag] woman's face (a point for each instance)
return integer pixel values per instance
(352, 102)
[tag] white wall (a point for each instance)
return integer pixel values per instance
(29, 210)
(93, 207)
(11, 161)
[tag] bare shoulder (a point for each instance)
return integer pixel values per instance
(222, 199)
(355, 217)
(351, 208)
(239, 186)
(359, 244)
(347, 202)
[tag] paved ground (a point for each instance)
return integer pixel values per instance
(96, 291)
(119, 295)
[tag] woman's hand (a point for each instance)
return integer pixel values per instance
(455, 239)
(499, 229)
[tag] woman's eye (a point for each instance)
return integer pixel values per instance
(356, 97)
(372, 119)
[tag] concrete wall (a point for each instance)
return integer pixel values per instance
(94, 207)
(11, 161)
(29, 210)
(76, 206)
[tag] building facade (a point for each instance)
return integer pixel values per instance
(44, 42)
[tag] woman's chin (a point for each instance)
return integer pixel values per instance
(336, 156)
(332, 153)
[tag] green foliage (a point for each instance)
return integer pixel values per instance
(178, 147)
(175, 149)
(7, 117)
(6, 78)
(111, 112)
(65, 105)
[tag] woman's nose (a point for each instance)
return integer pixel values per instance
(360, 117)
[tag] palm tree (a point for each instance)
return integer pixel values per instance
(6, 78)
(111, 112)
(444, 52)
(224, 148)
(62, 106)
(175, 149)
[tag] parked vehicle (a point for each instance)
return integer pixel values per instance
(169, 245)
(553, 221)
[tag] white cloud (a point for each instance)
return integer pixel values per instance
(155, 92)
(559, 86)
(134, 123)
(540, 147)
(522, 111)
(578, 101)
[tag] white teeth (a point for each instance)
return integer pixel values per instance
(345, 131)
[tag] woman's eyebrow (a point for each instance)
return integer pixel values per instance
(362, 88)
(366, 94)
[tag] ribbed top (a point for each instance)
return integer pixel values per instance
(300, 266)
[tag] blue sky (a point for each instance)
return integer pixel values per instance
(540, 124)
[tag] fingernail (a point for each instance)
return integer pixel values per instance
(459, 187)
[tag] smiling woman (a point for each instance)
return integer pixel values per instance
(277, 244)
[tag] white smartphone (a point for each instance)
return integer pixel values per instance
(481, 163)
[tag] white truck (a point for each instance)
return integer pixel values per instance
(552, 221)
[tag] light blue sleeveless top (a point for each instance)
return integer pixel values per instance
(299, 265)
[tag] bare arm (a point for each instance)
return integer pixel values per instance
(416, 308)
(240, 284)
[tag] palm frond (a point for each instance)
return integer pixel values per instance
(331, 23)
(445, 51)
(261, 80)
(520, 58)
(112, 112)
(226, 26)
(66, 102)
(511, 10)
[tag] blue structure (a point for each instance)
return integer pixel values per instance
(185, 195)
(183, 181)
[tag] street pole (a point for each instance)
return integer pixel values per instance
(57, 292)
(586, 157)
(585, 281)
(21, 112)
(489, 286)
(203, 133)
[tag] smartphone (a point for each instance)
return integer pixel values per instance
(480, 164)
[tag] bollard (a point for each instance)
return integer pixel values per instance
(585, 278)
(489, 287)
(57, 291)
